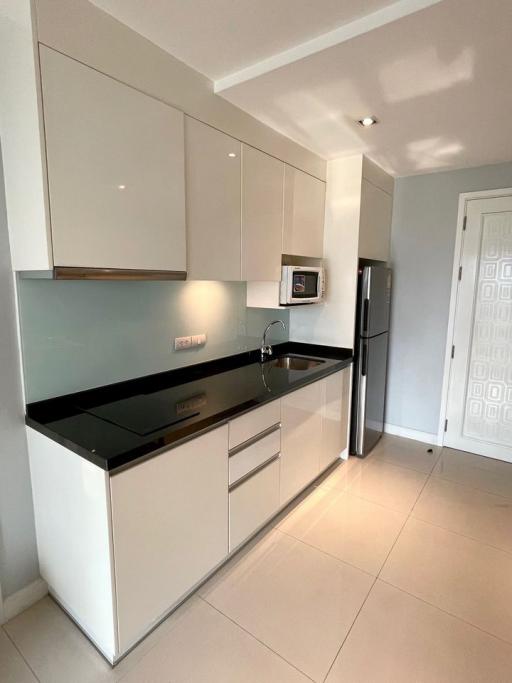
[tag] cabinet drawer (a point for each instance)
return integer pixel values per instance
(246, 426)
(253, 502)
(244, 461)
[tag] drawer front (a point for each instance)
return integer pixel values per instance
(246, 426)
(248, 459)
(252, 503)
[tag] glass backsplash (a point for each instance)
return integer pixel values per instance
(78, 335)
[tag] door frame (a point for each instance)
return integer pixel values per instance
(464, 198)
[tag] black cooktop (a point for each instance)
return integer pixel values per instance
(117, 425)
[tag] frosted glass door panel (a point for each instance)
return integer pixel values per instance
(479, 410)
(488, 413)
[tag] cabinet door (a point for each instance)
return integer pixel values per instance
(262, 215)
(304, 209)
(253, 503)
(170, 528)
(115, 171)
(213, 203)
(334, 416)
(375, 222)
(301, 429)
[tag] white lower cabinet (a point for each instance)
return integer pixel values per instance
(314, 423)
(253, 502)
(253, 456)
(170, 528)
(334, 417)
(251, 424)
(120, 551)
(301, 438)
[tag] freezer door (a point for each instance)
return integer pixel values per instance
(375, 297)
(369, 394)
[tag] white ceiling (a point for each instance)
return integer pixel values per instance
(219, 37)
(439, 80)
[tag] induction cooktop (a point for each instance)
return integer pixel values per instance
(144, 414)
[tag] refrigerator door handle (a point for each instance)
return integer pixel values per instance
(366, 312)
(364, 360)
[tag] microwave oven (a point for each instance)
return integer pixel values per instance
(301, 285)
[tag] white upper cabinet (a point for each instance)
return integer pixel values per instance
(115, 171)
(213, 169)
(375, 222)
(262, 215)
(304, 209)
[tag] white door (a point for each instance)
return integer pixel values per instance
(479, 410)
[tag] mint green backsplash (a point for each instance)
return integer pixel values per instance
(78, 335)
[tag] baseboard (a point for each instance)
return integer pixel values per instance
(414, 434)
(18, 602)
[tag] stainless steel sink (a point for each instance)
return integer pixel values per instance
(295, 363)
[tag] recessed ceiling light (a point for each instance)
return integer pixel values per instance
(367, 121)
(121, 187)
(232, 155)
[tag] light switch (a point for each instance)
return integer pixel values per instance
(198, 339)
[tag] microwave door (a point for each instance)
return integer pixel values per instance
(305, 285)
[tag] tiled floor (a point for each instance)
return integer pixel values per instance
(394, 568)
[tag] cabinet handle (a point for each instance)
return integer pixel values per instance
(261, 435)
(253, 472)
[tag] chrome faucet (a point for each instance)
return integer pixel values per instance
(266, 349)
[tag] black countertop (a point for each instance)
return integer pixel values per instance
(120, 424)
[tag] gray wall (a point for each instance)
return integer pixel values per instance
(18, 557)
(78, 335)
(422, 246)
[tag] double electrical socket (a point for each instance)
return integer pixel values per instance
(181, 343)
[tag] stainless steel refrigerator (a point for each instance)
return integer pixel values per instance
(371, 353)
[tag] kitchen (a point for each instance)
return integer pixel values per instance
(189, 312)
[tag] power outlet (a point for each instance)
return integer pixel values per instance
(181, 343)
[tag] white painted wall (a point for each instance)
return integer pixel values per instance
(422, 245)
(18, 555)
(332, 323)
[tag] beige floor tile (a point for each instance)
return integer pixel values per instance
(295, 599)
(468, 511)
(464, 577)
(57, 650)
(205, 646)
(399, 639)
(13, 668)
(394, 487)
(406, 453)
(345, 474)
(493, 476)
(350, 528)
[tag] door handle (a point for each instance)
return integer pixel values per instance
(364, 361)
(366, 313)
